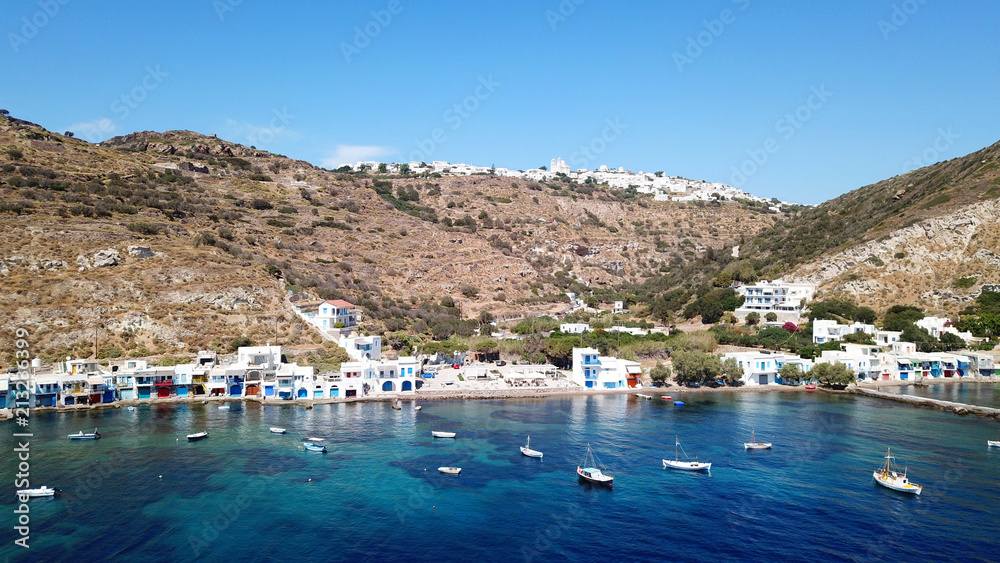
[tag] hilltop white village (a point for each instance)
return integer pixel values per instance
(661, 186)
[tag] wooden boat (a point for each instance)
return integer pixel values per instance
(891, 479)
(666, 397)
(42, 491)
(197, 436)
(755, 445)
(396, 405)
(85, 436)
(687, 464)
(810, 387)
(645, 396)
(311, 447)
(589, 473)
(315, 439)
(450, 470)
(678, 403)
(276, 430)
(526, 450)
(437, 434)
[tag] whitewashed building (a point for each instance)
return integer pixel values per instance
(785, 299)
(593, 371)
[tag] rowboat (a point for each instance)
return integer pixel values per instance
(687, 464)
(85, 436)
(645, 396)
(42, 491)
(418, 407)
(223, 407)
(311, 447)
(437, 434)
(666, 397)
(275, 430)
(315, 439)
(450, 470)
(810, 387)
(891, 479)
(993, 443)
(197, 436)
(678, 403)
(755, 445)
(526, 450)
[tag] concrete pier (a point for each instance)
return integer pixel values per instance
(957, 408)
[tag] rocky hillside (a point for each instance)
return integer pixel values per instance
(930, 238)
(169, 242)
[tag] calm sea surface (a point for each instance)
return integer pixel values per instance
(968, 392)
(244, 494)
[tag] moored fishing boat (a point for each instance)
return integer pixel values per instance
(197, 436)
(526, 450)
(276, 430)
(589, 473)
(42, 491)
(85, 436)
(450, 470)
(313, 447)
(687, 464)
(755, 445)
(891, 479)
(993, 443)
(437, 434)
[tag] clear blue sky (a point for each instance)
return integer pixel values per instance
(901, 83)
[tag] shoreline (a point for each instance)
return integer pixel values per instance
(503, 394)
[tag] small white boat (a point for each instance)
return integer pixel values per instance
(645, 396)
(891, 479)
(418, 407)
(755, 445)
(197, 436)
(687, 464)
(993, 443)
(42, 491)
(276, 430)
(589, 473)
(223, 407)
(310, 447)
(85, 436)
(526, 450)
(131, 408)
(450, 470)
(437, 434)
(315, 439)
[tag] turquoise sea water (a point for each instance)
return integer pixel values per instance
(968, 392)
(246, 494)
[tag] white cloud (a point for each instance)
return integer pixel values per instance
(351, 154)
(94, 131)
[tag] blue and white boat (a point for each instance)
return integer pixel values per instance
(81, 435)
(311, 447)
(589, 473)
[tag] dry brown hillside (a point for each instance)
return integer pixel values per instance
(231, 230)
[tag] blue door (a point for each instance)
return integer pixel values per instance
(407, 386)
(303, 393)
(387, 386)
(235, 390)
(335, 392)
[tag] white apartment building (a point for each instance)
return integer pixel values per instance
(761, 367)
(936, 326)
(785, 299)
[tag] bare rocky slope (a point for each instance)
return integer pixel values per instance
(170, 242)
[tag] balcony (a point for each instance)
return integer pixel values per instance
(164, 383)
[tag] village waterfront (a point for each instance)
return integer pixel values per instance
(142, 491)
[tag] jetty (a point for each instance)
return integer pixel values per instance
(957, 408)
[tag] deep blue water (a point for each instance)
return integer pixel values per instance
(968, 392)
(245, 494)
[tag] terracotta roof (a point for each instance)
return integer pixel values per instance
(340, 303)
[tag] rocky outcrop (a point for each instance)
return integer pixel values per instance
(105, 258)
(140, 251)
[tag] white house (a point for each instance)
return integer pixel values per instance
(574, 328)
(363, 347)
(785, 299)
(761, 367)
(593, 371)
(829, 331)
(936, 326)
(336, 311)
